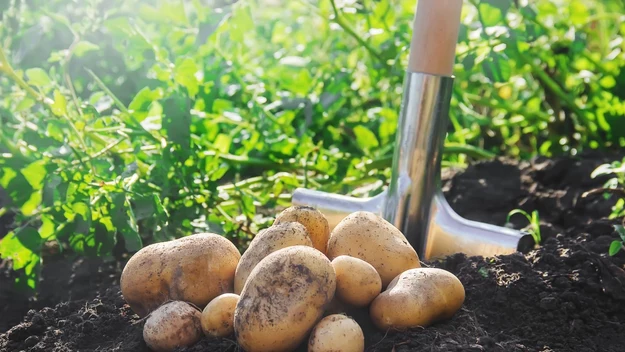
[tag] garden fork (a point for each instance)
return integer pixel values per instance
(414, 201)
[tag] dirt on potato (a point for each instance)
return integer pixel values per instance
(567, 295)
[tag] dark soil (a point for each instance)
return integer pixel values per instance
(566, 295)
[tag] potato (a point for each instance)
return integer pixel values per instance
(285, 296)
(218, 315)
(367, 236)
(195, 269)
(269, 240)
(418, 298)
(336, 332)
(357, 282)
(315, 222)
(172, 325)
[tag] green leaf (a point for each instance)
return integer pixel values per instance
(497, 68)
(82, 218)
(185, 75)
(55, 130)
(223, 143)
(578, 12)
(25, 104)
(59, 106)
(30, 239)
(469, 61)
(247, 204)
(490, 15)
(47, 228)
(35, 173)
(104, 235)
(241, 23)
(219, 172)
(177, 120)
(365, 138)
(159, 209)
(615, 247)
(83, 47)
(38, 77)
(502, 5)
(124, 220)
(621, 231)
(144, 98)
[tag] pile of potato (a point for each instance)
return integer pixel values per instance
(291, 286)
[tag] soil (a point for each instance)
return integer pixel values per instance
(565, 295)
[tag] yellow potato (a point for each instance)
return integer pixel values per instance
(218, 315)
(315, 222)
(336, 333)
(269, 240)
(285, 296)
(418, 298)
(357, 282)
(369, 237)
(174, 324)
(194, 269)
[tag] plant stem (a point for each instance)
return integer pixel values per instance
(347, 28)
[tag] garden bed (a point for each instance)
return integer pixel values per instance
(567, 295)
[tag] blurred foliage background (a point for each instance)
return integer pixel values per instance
(129, 122)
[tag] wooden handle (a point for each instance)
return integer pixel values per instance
(434, 36)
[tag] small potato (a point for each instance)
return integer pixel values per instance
(315, 222)
(174, 324)
(218, 315)
(369, 237)
(418, 298)
(194, 269)
(285, 296)
(336, 332)
(357, 282)
(267, 241)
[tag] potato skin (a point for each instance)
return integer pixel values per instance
(285, 296)
(172, 325)
(357, 282)
(367, 236)
(267, 241)
(336, 332)
(195, 269)
(418, 298)
(218, 315)
(315, 222)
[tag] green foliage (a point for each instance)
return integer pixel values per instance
(533, 226)
(130, 122)
(615, 184)
(619, 244)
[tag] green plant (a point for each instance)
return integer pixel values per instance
(617, 245)
(533, 227)
(613, 186)
(129, 122)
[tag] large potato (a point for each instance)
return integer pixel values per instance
(357, 282)
(195, 269)
(315, 222)
(418, 298)
(369, 237)
(174, 324)
(285, 296)
(267, 241)
(336, 333)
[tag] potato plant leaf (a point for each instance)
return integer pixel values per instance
(615, 247)
(38, 77)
